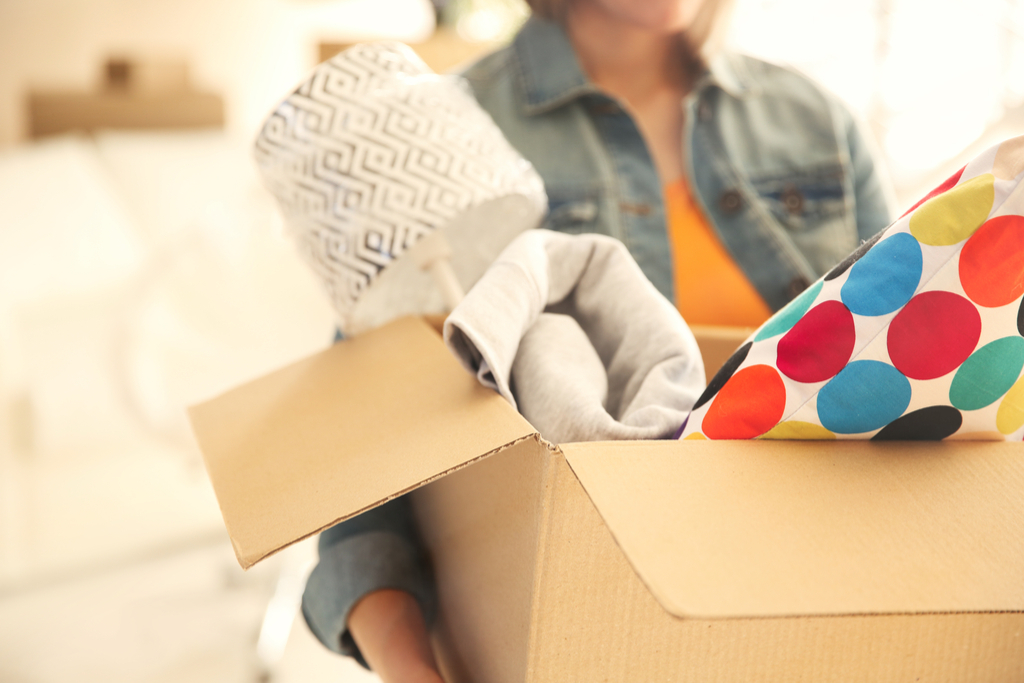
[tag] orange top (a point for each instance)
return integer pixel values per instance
(710, 288)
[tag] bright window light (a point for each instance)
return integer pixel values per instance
(931, 76)
(919, 139)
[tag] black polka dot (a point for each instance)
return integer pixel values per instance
(854, 257)
(723, 374)
(1020, 318)
(933, 423)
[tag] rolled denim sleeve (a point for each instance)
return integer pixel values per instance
(379, 549)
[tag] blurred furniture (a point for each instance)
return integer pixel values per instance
(443, 51)
(52, 113)
(134, 95)
(139, 272)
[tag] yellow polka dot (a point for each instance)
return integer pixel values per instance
(1010, 416)
(976, 436)
(696, 436)
(1009, 159)
(795, 430)
(953, 216)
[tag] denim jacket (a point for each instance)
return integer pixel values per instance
(779, 168)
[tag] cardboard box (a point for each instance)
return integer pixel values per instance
(635, 561)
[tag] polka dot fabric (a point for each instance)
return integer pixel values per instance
(918, 335)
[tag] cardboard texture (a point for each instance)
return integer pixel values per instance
(774, 528)
(286, 450)
(680, 561)
(560, 602)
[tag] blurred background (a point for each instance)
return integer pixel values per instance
(143, 268)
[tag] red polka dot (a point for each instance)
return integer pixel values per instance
(933, 334)
(943, 186)
(748, 405)
(992, 262)
(819, 345)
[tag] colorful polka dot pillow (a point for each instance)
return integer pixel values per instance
(919, 334)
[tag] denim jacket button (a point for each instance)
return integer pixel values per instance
(635, 208)
(704, 111)
(797, 285)
(730, 201)
(605, 108)
(793, 200)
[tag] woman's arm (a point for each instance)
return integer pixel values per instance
(376, 551)
(389, 629)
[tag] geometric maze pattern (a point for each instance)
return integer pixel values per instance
(374, 151)
(918, 335)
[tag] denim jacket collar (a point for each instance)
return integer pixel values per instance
(728, 73)
(548, 72)
(542, 86)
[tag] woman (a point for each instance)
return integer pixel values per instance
(734, 184)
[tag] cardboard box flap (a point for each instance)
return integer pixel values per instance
(342, 431)
(770, 528)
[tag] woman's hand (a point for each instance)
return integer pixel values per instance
(388, 627)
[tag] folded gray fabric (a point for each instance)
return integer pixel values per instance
(568, 329)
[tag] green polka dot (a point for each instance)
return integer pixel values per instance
(953, 216)
(987, 374)
(782, 321)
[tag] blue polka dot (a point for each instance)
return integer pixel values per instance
(865, 395)
(787, 317)
(885, 278)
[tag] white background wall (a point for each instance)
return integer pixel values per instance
(938, 80)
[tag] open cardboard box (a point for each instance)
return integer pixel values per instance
(635, 561)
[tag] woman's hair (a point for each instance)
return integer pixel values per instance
(703, 37)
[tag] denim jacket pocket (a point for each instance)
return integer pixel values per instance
(813, 209)
(573, 211)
